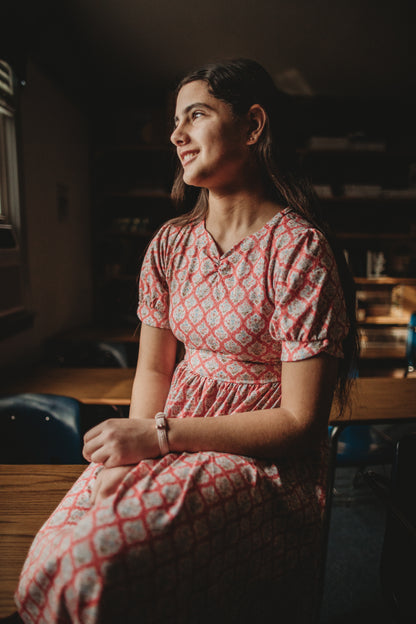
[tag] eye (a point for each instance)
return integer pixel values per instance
(196, 114)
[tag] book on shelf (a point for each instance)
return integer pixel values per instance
(387, 337)
(362, 190)
(345, 143)
(324, 191)
(375, 264)
(327, 143)
(402, 193)
(379, 301)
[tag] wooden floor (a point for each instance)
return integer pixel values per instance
(28, 495)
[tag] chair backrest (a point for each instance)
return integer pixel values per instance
(40, 429)
(91, 353)
(112, 354)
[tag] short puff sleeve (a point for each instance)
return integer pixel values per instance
(153, 307)
(310, 314)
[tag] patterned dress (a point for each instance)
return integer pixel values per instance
(197, 537)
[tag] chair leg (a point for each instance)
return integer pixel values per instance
(333, 447)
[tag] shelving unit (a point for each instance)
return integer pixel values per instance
(360, 161)
(132, 177)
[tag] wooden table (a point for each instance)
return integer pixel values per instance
(28, 495)
(379, 399)
(93, 386)
(373, 398)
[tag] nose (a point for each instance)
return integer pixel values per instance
(178, 136)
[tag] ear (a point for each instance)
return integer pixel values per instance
(256, 121)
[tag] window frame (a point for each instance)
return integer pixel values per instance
(15, 315)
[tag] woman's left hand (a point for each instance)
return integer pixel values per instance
(121, 441)
(107, 482)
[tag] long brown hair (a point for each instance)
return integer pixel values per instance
(242, 83)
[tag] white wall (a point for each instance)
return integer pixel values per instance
(55, 151)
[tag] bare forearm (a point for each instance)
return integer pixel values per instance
(155, 366)
(294, 428)
(150, 390)
(263, 433)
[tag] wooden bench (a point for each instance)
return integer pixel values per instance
(28, 495)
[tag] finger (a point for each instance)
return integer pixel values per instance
(100, 490)
(96, 494)
(93, 495)
(92, 445)
(93, 432)
(95, 487)
(100, 456)
(88, 450)
(111, 481)
(86, 455)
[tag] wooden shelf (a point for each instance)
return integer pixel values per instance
(133, 147)
(145, 192)
(376, 235)
(385, 320)
(389, 352)
(385, 281)
(123, 277)
(375, 199)
(348, 149)
(138, 234)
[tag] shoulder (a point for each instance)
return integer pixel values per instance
(171, 242)
(295, 236)
(171, 235)
(296, 228)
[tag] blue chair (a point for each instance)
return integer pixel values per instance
(113, 354)
(40, 429)
(360, 445)
(364, 445)
(411, 345)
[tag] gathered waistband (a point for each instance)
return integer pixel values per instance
(225, 367)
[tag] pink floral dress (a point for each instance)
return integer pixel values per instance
(197, 537)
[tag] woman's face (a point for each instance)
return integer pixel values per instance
(210, 142)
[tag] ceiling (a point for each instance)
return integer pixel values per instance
(324, 47)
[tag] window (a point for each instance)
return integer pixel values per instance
(6, 119)
(12, 283)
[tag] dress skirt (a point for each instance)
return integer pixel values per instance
(187, 538)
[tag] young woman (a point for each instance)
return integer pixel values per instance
(214, 509)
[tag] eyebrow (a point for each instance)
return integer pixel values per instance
(188, 108)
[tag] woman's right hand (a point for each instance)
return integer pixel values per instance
(121, 442)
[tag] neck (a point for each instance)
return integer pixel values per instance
(235, 210)
(232, 217)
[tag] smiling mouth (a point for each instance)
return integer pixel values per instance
(188, 156)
